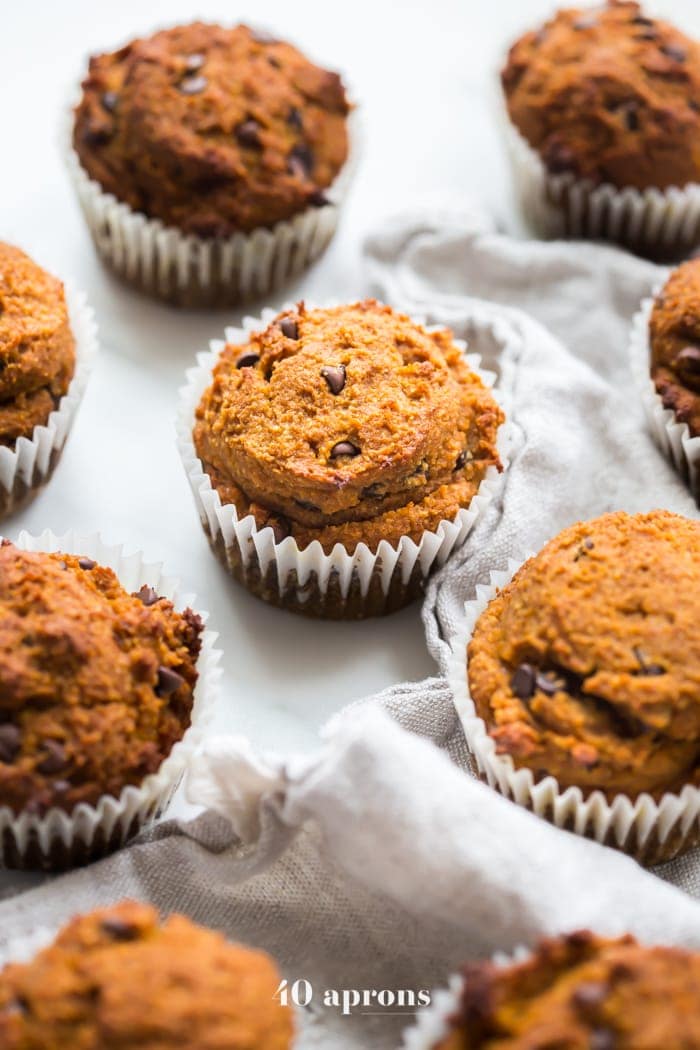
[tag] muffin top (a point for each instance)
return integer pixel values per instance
(347, 422)
(96, 685)
(581, 992)
(609, 95)
(37, 348)
(587, 664)
(675, 344)
(212, 130)
(119, 978)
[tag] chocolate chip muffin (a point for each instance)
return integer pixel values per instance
(212, 130)
(586, 665)
(37, 347)
(119, 977)
(96, 684)
(581, 991)
(674, 332)
(610, 95)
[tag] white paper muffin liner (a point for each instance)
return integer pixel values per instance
(653, 222)
(28, 466)
(207, 271)
(59, 840)
(673, 437)
(342, 584)
(648, 830)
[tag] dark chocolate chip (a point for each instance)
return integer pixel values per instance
(646, 669)
(193, 85)
(147, 595)
(648, 34)
(55, 760)
(549, 686)
(194, 62)
(96, 134)
(168, 681)
(119, 929)
(248, 134)
(523, 681)
(109, 101)
(641, 20)
(274, 62)
(247, 360)
(5, 542)
(10, 742)
(630, 116)
(374, 491)
(289, 328)
(335, 377)
(678, 54)
(588, 22)
(602, 1039)
(461, 460)
(18, 1005)
(305, 505)
(295, 119)
(344, 448)
(559, 158)
(280, 527)
(591, 994)
(86, 563)
(688, 361)
(317, 199)
(301, 161)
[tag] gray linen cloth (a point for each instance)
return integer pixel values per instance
(377, 863)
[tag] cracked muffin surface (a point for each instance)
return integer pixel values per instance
(96, 684)
(610, 95)
(37, 348)
(581, 992)
(213, 130)
(674, 331)
(586, 665)
(119, 977)
(347, 424)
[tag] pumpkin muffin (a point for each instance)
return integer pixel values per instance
(96, 684)
(586, 666)
(581, 992)
(674, 331)
(118, 977)
(37, 347)
(346, 425)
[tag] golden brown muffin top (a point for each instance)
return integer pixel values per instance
(586, 665)
(581, 992)
(119, 978)
(610, 95)
(675, 344)
(212, 129)
(96, 685)
(37, 348)
(340, 415)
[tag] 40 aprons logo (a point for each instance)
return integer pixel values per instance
(360, 1000)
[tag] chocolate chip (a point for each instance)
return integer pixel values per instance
(590, 994)
(289, 328)
(641, 20)
(5, 542)
(147, 595)
(646, 669)
(295, 119)
(335, 376)
(630, 116)
(119, 929)
(602, 1039)
(306, 505)
(589, 22)
(523, 681)
(248, 134)
(549, 686)
(247, 360)
(194, 62)
(168, 681)
(344, 448)
(673, 51)
(374, 491)
(280, 527)
(301, 161)
(193, 85)
(688, 360)
(461, 460)
(18, 1005)
(648, 34)
(10, 742)
(109, 101)
(317, 199)
(60, 787)
(559, 158)
(86, 563)
(55, 760)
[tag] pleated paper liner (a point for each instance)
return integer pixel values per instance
(649, 830)
(673, 437)
(26, 468)
(58, 840)
(343, 584)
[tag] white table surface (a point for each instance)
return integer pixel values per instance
(424, 73)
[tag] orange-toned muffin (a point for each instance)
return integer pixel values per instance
(118, 978)
(674, 337)
(96, 684)
(581, 992)
(37, 347)
(213, 130)
(609, 95)
(586, 665)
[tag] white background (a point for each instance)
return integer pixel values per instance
(425, 75)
